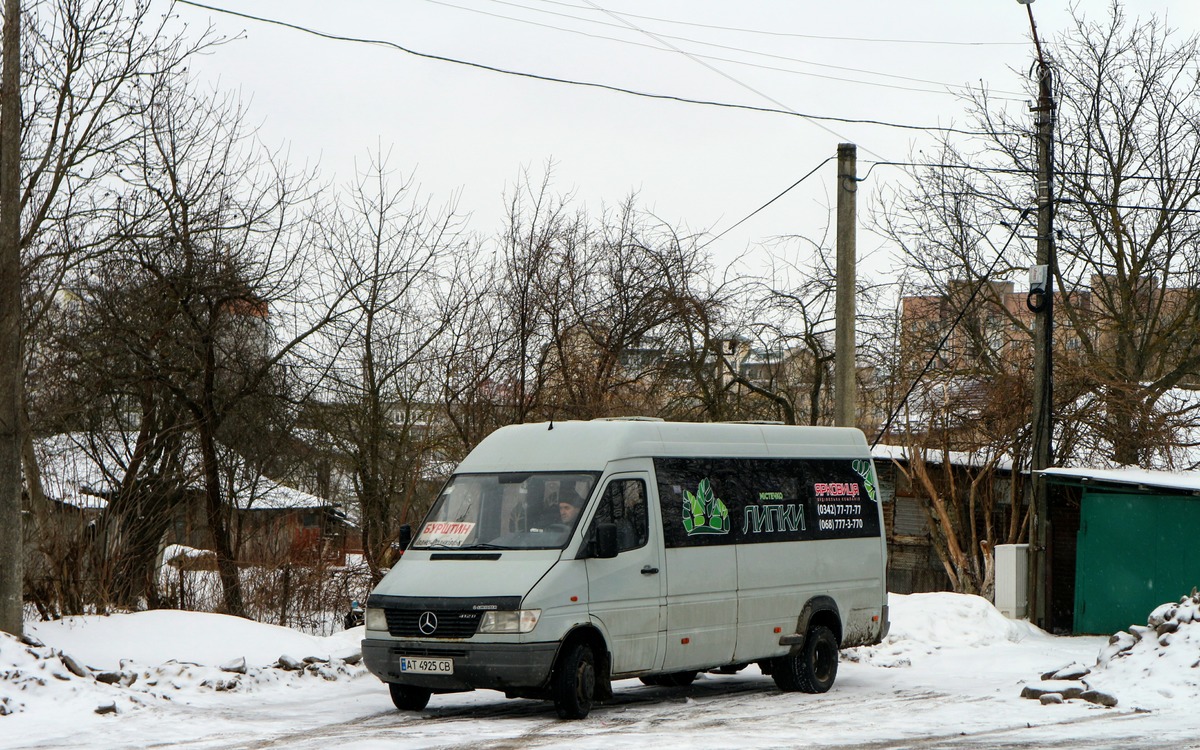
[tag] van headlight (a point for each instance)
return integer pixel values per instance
(510, 621)
(375, 619)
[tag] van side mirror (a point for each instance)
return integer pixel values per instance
(405, 538)
(605, 545)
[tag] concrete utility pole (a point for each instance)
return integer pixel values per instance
(1043, 338)
(844, 386)
(11, 365)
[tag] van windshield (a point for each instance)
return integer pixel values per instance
(506, 511)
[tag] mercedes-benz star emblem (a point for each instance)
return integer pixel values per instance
(427, 623)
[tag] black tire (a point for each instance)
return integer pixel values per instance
(813, 667)
(574, 682)
(409, 698)
(678, 679)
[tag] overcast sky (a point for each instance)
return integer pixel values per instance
(466, 132)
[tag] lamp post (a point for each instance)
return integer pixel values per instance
(1041, 302)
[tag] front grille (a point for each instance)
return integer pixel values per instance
(406, 623)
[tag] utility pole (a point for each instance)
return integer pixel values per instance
(1042, 305)
(12, 577)
(844, 386)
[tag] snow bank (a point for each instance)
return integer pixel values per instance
(1148, 666)
(945, 619)
(1145, 668)
(29, 671)
(158, 636)
(922, 624)
(115, 663)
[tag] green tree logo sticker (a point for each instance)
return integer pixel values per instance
(866, 470)
(703, 512)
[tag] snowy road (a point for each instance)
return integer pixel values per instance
(949, 676)
(870, 707)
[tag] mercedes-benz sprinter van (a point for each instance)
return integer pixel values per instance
(562, 556)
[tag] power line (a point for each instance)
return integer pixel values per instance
(714, 69)
(784, 33)
(935, 165)
(948, 89)
(1031, 171)
(1127, 207)
(951, 328)
(720, 72)
(785, 191)
(571, 82)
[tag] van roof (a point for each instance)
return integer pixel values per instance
(590, 445)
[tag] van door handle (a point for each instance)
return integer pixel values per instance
(648, 570)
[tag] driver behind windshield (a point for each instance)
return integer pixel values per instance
(569, 505)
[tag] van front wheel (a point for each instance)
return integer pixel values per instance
(575, 682)
(409, 698)
(813, 667)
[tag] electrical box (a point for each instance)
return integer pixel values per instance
(1012, 580)
(1037, 278)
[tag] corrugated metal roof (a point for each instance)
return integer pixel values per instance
(1188, 481)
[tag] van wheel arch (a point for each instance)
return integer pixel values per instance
(603, 658)
(820, 610)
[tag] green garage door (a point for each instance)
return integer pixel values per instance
(1135, 552)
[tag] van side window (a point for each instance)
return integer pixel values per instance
(624, 503)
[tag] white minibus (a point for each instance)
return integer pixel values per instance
(562, 556)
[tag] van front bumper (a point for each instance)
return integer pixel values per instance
(494, 666)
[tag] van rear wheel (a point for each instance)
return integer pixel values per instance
(409, 698)
(813, 667)
(575, 682)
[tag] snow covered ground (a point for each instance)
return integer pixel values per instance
(951, 674)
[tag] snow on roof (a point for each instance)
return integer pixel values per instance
(267, 494)
(1131, 475)
(78, 469)
(1176, 480)
(971, 459)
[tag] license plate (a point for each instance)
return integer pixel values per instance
(423, 665)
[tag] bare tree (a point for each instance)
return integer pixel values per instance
(401, 262)
(1128, 158)
(960, 437)
(781, 357)
(127, 425)
(209, 223)
(473, 394)
(610, 306)
(72, 70)
(85, 69)
(542, 229)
